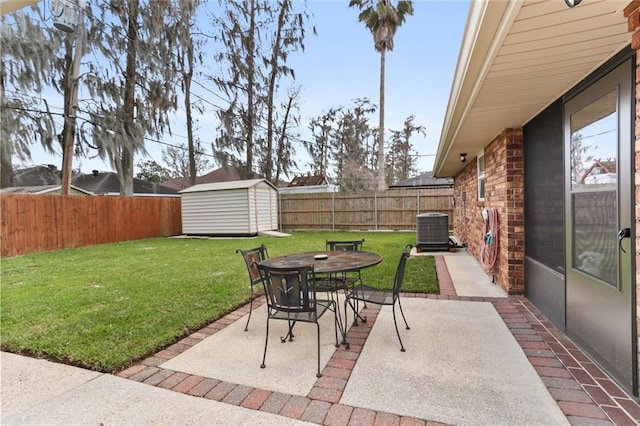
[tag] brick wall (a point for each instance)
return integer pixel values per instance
(504, 191)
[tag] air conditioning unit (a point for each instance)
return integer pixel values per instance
(432, 231)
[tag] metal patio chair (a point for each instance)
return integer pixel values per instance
(347, 245)
(352, 245)
(291, 296)
(346, 279)
(376, 296)
(252, 257)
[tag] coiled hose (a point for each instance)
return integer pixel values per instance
(489, 251)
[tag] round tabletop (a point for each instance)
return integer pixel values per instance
(336, 261)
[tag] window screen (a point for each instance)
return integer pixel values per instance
(544, 188)
(481, 177)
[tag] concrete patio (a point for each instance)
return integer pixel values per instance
(474, 357)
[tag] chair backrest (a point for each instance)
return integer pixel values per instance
(252, 257)
(351, 245)
(289, 289)
(397, 284)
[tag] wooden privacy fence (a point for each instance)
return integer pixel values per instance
(32, 223)
(389, 210)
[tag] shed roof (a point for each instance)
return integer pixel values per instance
(222, 186)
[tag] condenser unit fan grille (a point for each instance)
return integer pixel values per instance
(432, 231)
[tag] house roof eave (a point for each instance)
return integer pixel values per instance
(517, 58)
(485, 30)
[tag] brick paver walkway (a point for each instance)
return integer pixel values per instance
(584, 393)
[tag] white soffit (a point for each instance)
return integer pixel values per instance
(8, 6)
(517, 57)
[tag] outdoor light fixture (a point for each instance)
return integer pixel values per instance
(463, 157)
(65, 14)
(572, 3)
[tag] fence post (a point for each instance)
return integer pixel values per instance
(333, 211)
(418, 206)
(375, 209)
(280, 211)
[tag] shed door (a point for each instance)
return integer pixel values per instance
(598, 196)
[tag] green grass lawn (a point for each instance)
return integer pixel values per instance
(102, 307)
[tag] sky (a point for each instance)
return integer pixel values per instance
(340, 64)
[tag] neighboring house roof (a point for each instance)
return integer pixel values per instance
(223, 174)
(601, 171)
(105, 183)
(43, 189)
(308, 180)
(37, 176)
(516, 58)
(425, 180)
(221, 186)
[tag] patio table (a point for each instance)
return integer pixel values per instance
(334, 262)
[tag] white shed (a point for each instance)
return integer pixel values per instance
(241, 207)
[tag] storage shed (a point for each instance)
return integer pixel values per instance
(241, 207)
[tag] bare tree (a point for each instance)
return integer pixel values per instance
(186, 58)
(580, 157)
(151, 171)
(257, 37)
(401, 158)
(356, 177)
(349, 142)
(132, 97)
(288, 37)
(320, 147)
(285, 152)
(178, 159)
(341, 137)
(239, 29)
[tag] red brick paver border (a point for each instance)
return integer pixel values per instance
(584, 393)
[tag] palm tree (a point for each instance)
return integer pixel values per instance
(382, 19)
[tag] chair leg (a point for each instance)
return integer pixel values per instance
(318, 327)
(336, 306)
(344, 329)
(354, 308)
(289, 336)
(338, 317)
(333, 297)
(356, 312)
(266, 341)
(402, 312)
(355, 305)
(393, 308)
(364, 303)
(246, 327)
(346, 322)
